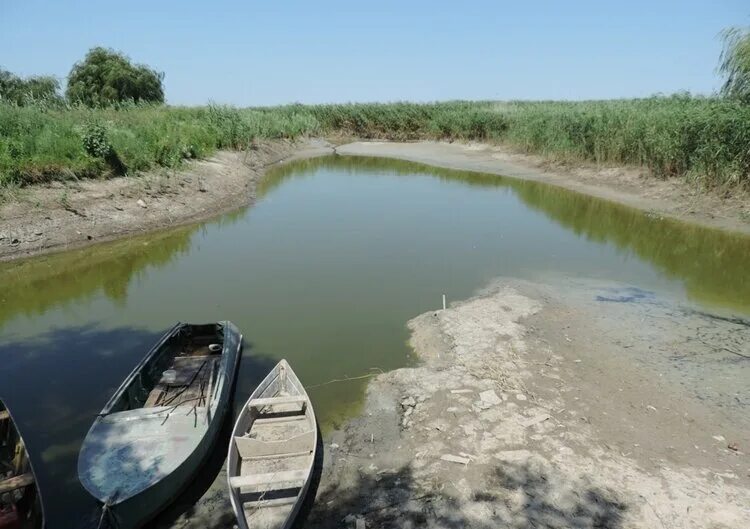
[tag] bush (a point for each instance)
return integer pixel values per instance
(105, 77)
(18, 91)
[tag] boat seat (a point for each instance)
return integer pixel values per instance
(16, 482)
(271, 481)
(4, 415)
(277, 401)
(260, 501)
(298, 445)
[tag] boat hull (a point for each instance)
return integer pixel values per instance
(136, 509)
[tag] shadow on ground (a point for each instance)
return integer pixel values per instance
(520, 497)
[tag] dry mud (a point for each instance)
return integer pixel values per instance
(528, 411)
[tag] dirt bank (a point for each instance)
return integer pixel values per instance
(674, 198)
(74, 214)
(70, 215)
(527, 411)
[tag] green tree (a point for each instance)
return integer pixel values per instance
(106, 76)
(22, 91)
(734, 63)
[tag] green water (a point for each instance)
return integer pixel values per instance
(324, 270)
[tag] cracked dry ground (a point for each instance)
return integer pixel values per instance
(494, 429)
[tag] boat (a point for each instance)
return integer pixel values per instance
(20, 499)
(158, 427)
(272, 452)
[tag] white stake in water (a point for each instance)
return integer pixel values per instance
(443, 301)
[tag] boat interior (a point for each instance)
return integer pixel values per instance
(19, 505)
(183, 371)
(273, 451)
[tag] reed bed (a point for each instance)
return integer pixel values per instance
(702, 139)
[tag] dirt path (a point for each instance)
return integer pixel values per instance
(72, 215)
(672, 198)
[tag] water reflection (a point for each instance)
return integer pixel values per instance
(35, 285)
(712, 264)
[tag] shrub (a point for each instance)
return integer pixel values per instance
(105, 77)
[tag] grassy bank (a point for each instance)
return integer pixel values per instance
(699, 138)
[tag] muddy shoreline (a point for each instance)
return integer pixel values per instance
(673, 198)
(66, 216)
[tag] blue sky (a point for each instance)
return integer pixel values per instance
(258, 53)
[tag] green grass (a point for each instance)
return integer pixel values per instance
(705, 139)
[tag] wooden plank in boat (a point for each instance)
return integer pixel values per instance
(271, 420)
(16, 482)
(249, 447)
(274, 502)
(271, 401)
(270, 480)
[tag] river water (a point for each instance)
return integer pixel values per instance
(324, 270)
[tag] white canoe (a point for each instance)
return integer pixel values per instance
(157, 429)
(272, 452)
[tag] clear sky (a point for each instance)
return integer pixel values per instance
(311, 51)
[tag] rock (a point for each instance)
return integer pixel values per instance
(520, 396)
(513, 456)
(408, 402)
(719, 438)
(734, 447)
(455, 459)
(408, 412)
(649, 407)
(535, 420)
(349, 518)
(334, 446)
(141, 203)
(490, 397)
(14, 241)
(460, 391)
(360, 523)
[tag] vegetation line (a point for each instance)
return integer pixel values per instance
(112, 121)
(703, 139)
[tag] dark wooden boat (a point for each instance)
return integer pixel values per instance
(272, 452)
(156, 430)
(20, 500)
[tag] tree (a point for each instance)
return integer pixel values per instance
(22, 91)
(106, 76)
(734, 63)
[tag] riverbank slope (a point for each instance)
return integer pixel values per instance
(65, 216)
(57, 216)
(674, 198)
